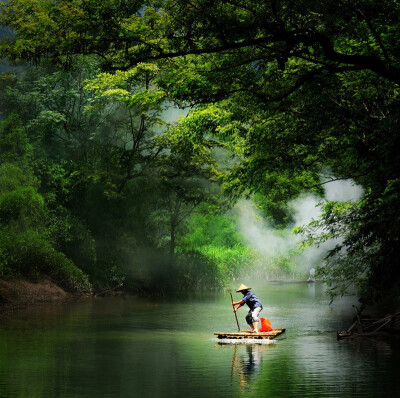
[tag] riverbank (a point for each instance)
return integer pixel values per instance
(20, 294)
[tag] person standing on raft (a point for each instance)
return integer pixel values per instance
(253, 302)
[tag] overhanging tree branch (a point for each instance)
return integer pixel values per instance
(292, 39)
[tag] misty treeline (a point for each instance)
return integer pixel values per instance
(281, 95)
(98, 192)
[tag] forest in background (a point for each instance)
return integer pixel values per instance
(99, 188)
(96, 194)
(75, 210)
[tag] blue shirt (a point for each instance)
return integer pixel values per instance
(251, 300)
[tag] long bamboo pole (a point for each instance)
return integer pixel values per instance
(237, 322)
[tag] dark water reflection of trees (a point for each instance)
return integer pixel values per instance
(131, 348)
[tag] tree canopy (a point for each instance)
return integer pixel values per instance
(294, 89)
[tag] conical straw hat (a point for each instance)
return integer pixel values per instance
(243, 287)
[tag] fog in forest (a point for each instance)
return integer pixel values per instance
(270, 242)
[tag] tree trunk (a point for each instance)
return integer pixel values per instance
(172, 241)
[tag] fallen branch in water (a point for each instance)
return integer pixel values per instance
(108, 290)
(390, 324)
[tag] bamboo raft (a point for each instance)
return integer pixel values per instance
(246, 334)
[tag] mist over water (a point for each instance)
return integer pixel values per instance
(271, 243)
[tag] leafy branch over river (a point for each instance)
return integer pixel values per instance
(99, 187)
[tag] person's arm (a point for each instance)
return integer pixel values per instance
(238, 303)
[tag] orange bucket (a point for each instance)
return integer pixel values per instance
(265, 325)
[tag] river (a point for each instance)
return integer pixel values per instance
(116, 347)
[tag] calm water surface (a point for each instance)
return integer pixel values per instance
(140, 348)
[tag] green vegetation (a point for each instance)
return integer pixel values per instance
(98, 192)
(286, 89)
(27, 245)
(216, 239)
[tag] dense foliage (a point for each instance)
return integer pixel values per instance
(98, 192)
(290, 88)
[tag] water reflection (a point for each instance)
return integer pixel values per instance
(245, 365)
(130, 348)
(311, 289)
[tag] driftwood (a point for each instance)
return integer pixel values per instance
(365, 327)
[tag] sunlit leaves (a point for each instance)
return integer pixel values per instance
(285, 89)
